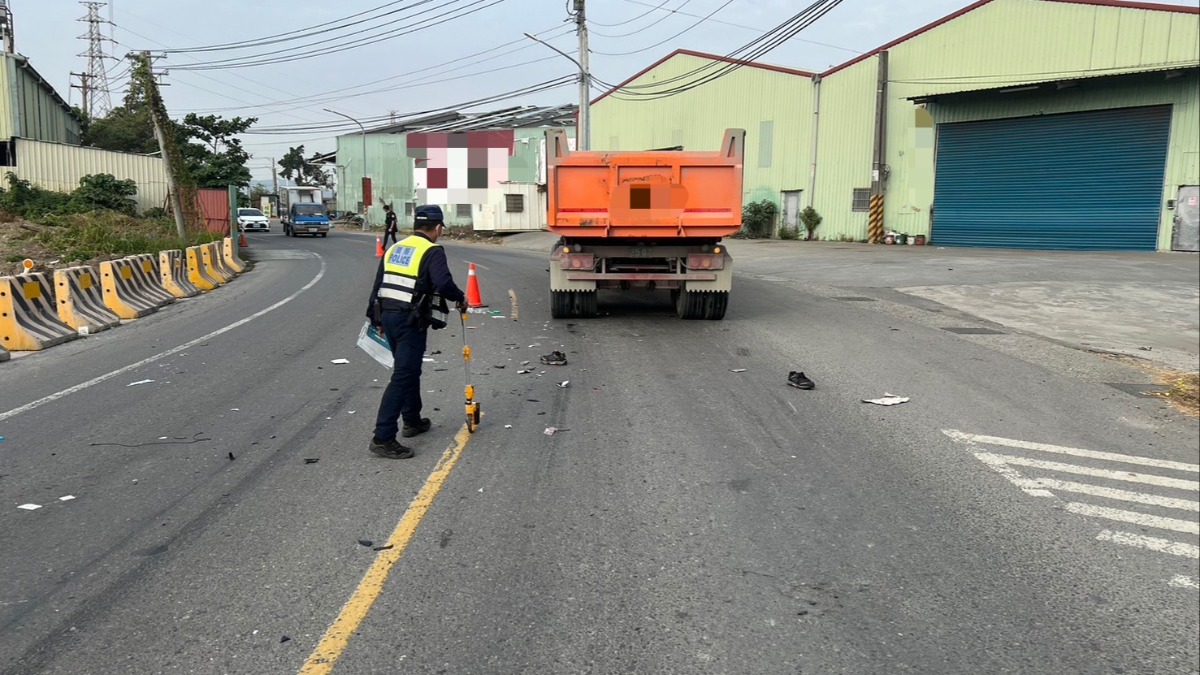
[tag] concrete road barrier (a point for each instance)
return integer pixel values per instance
(229, 253)
(172, 273)
(147, 278)
(121, 292)
(4, 355)
(209, 256)
(197, 271)
(28, 322)
(219, 261)
(81, 300)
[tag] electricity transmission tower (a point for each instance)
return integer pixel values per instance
(94, 81)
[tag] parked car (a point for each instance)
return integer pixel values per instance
(253, 219)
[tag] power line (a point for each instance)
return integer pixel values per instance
(740, 57)
(670, 13)
(685, 30)
(622, 23)
(306, 51)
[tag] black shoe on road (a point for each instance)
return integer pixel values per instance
(390, 449)
(799, 381)
(418, 428)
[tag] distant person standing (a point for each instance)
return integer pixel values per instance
(391, 227)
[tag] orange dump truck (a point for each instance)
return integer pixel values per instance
(645, 220)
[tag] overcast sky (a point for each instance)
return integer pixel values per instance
(626, 36)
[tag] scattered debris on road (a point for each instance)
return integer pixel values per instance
(311, 460)
(888, 399)
(284, 639)
(383, 548)
(550, 431)
(340, 361)
(563, 384)
(366, 542)
(799, 380)
(555, 358)
(737, 370)
(231, 457)
(134, 384)
(66, 498)
(30, 507)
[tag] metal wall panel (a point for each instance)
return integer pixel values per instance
(57, 166)
(1080, 181)
(746, 98)
(1005, 42)
(30, 107)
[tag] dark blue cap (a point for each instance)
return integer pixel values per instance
(428, 213)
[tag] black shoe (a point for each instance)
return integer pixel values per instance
(418, 428)
(555, 359)
(799, 381)
(390, 449)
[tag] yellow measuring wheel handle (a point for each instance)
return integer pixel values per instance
(470, 392)
(466, 353)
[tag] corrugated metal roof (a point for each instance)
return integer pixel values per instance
(524, 117)
(1015, 85)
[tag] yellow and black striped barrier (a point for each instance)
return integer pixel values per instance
(81, 300)
(28, 322)
(121, 293)
(197, 271)
(875, 223)
(172, 273)
(229, 253)
(148, 280)
(212, 266)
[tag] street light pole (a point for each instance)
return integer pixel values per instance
(363, 131)
(584, 134)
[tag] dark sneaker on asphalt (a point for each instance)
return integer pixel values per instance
(799, 381)
(555, 359)
(390, 449)
(419, 428)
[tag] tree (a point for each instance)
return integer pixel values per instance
(213, 155)
(811, 220)
(293, 166)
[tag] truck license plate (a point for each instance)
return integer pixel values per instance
(313, 229)
(641, 252)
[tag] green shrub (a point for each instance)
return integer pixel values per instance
(811, 220)
(104, 191)
(758, 218)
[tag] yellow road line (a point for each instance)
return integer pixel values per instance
(335, 640)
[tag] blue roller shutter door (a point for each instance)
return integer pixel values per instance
(1080, 181)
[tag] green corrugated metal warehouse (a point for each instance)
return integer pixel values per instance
(1047, 124)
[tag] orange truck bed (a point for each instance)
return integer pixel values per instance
(658, 194)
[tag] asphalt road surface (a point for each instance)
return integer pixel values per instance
(683, 518)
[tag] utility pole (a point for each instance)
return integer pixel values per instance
(154, 100)
(84, 87)
(96, 99)
(584, 133)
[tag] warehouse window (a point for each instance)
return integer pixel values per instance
(861, 201)
(766, 142)
(514, 203)
(462, 210)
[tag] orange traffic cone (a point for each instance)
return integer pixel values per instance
(378, 247)
(473, 297)
(242, 240)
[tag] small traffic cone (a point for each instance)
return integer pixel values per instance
(378, 247)
(242, 240)
(473, 297)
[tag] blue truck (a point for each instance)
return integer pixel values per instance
(304, 212)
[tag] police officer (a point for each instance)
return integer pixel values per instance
(409, 297)
(391, 231)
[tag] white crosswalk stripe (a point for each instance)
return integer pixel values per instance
(1174, 497)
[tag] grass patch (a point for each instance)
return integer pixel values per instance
(56, 241)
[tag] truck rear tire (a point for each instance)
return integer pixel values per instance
(573, 304)
(692, 305)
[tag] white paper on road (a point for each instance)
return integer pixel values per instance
(134, 384)
(888, 399)
(340, 361)
(375, 345)
(30, 507)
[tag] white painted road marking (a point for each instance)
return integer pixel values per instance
(161, 355)
(1044, 486)
(1134, 517)
(1151, 543)
(1128, 476)
(1077, 452)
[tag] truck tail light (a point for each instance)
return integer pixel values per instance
(705, 261)
(578, 261)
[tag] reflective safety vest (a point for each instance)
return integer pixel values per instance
(401, 277)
